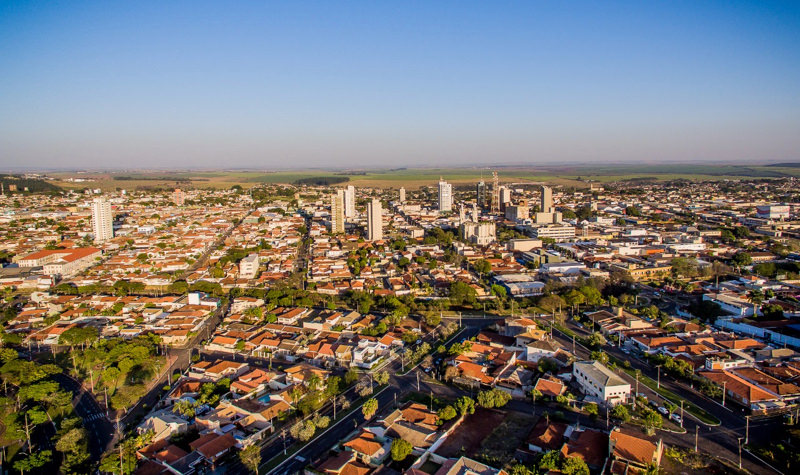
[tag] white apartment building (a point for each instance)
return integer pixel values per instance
(374, 220)
(402, 195)
(555, 231)
(337, 212)
(445, 196)
(599, 382)
(102, 220)
(350, 202)
(248, 267)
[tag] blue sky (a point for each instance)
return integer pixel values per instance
(382, 84)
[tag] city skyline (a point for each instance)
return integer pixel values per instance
(355, 84)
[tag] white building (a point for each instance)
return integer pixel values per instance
(337, 212)
(248, 267)
(102, 220)
(773, 212)
(481, 234)
(350, 202)
(555, 231)
(445, 195)
(599, 382)
(374, 220)
(402, 195)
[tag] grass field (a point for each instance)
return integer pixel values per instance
(417, 177)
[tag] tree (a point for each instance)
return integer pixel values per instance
(446, 413)
(401, 449)
(369, 408)
(251, 457)
(592, 295)
(381, 377)
(350, 376)
(482, 267)
(551, 460)
(493, 398)
(741, 259)
(575, 298)
(756, 297)
(574, 466)
(462, 293)
(464, 405)
(621, 412)
(651, 419)
(33, 461)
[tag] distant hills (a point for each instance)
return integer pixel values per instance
(786, 165)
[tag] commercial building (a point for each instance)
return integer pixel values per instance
(773, 212)
(445, 196)
(102, 220)
(547, 214)
(337, 212)
(599, 382)
(62, 262)
(374, 220)
(480, 194)
(555, 231)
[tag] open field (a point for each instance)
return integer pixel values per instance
(577, 176)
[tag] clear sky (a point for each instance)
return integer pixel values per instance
(394, 83)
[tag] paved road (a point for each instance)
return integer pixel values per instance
(100, 428)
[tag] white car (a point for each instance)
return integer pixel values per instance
(676, 418)
(663, 410)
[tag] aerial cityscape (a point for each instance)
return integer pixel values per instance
(366, 238)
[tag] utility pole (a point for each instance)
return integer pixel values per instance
(573, 344)
(658, 383)
(417, 380)
(695, 438)
(681, 413)
(724, 390)
(740, 452)
(747, 430)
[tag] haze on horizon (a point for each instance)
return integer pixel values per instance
(388, 84)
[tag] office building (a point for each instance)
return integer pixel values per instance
(402, 195)
(374, 220)
(337, 212)
(600, 383)
(350, 202)
(555, 231)
(102, 220)
(445, 196)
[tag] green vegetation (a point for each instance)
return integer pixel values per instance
(322, 180)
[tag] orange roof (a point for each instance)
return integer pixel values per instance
(365, 443)
(632, 448)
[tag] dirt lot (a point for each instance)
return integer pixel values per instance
(468, 437)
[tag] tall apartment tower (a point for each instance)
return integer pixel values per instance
(102, 220)
(546, 204)
(495, 192)
(337, 212)
(350, 202)
(480, 191)
(445, 195)
(505, 195)
(374, 220)
(402, 195)
(178, 197)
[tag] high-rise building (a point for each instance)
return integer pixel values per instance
(178, 197)
(481, 234)
(546, 205)
(445, 195)
(402, 195)
(481, 194)
(374, 220)
(495, 192)
(337, 212)
(474, 212)
(350, 202)
(102, 220)
(505, 195)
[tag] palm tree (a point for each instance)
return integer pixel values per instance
(756, 297)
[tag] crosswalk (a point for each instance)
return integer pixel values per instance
(94, 417)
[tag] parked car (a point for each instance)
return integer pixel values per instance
(654, 404)
(663, 410)
(676, 418)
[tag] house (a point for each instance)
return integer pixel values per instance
(163, 423)
(590, 445)
(599, 382)
(550, 387)
(632, 451)
(414, 423)
(538, 349)
(546, 436)
(213, 446)
(467, 466)
(369, 448)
